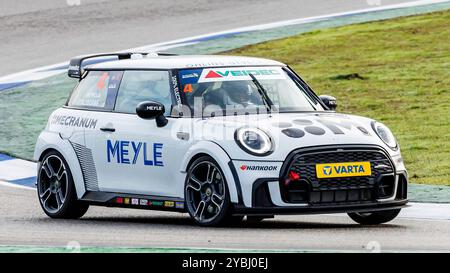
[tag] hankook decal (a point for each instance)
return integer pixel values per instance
(258, 168)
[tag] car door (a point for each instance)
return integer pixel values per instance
(94, 94)
(133, 155)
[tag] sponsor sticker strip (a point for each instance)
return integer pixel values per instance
(149, 202)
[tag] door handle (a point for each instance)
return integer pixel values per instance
(107, 129)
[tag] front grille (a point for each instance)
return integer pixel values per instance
(337, 190)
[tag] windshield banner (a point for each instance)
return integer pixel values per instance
(193, 76)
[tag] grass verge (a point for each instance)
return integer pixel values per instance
(396, 71)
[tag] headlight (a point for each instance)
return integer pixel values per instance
(254, 141)
(385, 134)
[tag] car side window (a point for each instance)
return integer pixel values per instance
(97, 90)
(139, 86)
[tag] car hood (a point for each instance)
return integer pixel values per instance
(288, 131)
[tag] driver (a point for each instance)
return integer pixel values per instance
(238, 93)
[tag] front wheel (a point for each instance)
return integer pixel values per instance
(206, 193)
(374, 218)
(56, 189)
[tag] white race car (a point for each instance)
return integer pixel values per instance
(220, 137)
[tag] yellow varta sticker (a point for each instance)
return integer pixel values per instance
(345, 169)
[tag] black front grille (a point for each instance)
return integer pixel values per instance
(337, 190)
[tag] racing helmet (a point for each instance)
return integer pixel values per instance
(238, 92)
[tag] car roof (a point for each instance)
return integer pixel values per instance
(182, 62)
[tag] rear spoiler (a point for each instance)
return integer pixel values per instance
(75, 64)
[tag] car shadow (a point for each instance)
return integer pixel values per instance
(187, 222)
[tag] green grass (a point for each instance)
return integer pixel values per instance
(24, 112)
(396, 71)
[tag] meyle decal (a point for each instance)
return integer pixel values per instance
(241, 73)
(143, 202)
(258, 168)
(73, 121)
(127, 152)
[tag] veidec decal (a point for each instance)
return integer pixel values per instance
(212, 74)
(128, 152)
(240, 73)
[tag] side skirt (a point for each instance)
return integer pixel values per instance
(134, 201)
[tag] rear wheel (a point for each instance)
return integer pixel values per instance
(56, 189)
(374, 218)
(206, 193)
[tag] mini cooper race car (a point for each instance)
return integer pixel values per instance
(219, 137)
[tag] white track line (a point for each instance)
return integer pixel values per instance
(15, 169)
(11, 185)
(423, 211)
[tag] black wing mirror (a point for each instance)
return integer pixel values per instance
(152, 110)
(329, 101)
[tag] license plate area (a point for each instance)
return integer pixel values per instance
(343, 169)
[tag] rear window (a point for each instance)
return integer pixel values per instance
(97, 90)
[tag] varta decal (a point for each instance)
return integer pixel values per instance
(131, 152)
(343, 169)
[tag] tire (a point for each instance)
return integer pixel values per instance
(374, 218)
(206, 194)
(56, 189)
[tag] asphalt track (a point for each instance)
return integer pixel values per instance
(37, 33)
(22, 222)
(51, 32)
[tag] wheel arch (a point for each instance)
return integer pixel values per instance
(212, 149)
(49, 141)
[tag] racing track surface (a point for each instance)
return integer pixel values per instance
(22, 222)
(37, 33)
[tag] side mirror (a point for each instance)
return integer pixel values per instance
(152, 110)
(329, 101)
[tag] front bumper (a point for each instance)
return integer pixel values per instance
(385, 189)
(274, 210)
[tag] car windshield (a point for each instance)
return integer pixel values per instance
(248, 89)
